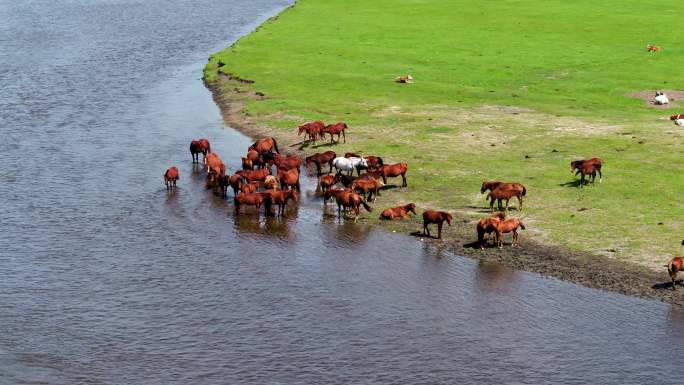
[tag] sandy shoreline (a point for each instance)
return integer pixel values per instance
(595, 271)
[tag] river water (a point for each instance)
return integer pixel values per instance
(107, 278)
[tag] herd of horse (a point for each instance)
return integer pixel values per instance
(255, 184)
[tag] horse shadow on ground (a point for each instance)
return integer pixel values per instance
(666, 285)
(326, 144)
(575, 183)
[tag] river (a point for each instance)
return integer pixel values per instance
(107, 278)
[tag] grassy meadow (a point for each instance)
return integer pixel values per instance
(506, 90)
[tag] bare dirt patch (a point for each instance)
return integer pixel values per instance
(648, 98)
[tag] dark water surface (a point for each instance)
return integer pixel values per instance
(105, 278)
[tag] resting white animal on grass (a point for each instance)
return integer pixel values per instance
(661, 98)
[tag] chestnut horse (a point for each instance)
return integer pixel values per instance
(587, 167)
(170, 177)
(320, 159)
(374, 162)
(256, 159)
(233, 181)
(327, 181)
(399, 212)
(507, 226)
(289, 178)
(213, 162)
(368, 186)
(675, 266)
(253, 199)
(485, 226)
(264, 145)
(252, 175)
(501, 191)
(336, 129)
(313, 130)
(392, 170)
(199, 146)
(247, 164)
(347, 199)
(280, 198)
(284, 162)
(438, 217)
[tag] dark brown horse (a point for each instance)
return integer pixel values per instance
(485, 226)
(503, 191)
(199, 146)
(264, 145)
(289, 178)
(253, 199)
(587, 167)
(374, 162)
(328, 181)
(438, 217)
(313, 130)
(399, 212)
(393, 170)
(280, 198)
(675, 266)
(336, 129)
(320, 159)
(367, 186)
(171, 176)
(507, 226)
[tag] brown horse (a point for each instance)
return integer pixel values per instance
(675, 266)
(289, 178)
(368, 186)
(399, 212)
(507, 226)
(281, 198)
(393, 170)
(336, 129)
(374, 162)
(587, 167)
(351, 155)
(253, 199)
(285, 162)
(320, 159)
(252, 175)
(348, 200)
(328, 181)
(264, 145)
(199, 146)
(171, 176)
(256, 159)
(247, 164)
(438, 217)
(485, 226)
(313, 130)
(503, 191)
(233, 181)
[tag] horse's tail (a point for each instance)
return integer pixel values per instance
(208, 148)
(380, 161)
(365, 206)
(524, 191)
(275, 145)
(670, 269)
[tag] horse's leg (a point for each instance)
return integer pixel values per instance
(331, 138)
(439, 230)
(515, 237)
(491, 205)
(600, 176)
(520, 202)
(426, 230)
(403, 177)
(581, 179)
(345, 136)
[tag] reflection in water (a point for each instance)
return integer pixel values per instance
(140, 285)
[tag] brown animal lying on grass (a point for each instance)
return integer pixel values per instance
(404, 79)
(675, 266)
(400, 212)
(652, 48)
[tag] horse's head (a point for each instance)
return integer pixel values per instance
(411, 208)
(576, 165)
(448, 218)
(302, 128)
(485, 186)
(500, 215)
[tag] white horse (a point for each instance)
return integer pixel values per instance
(661, 98)
(349, 164)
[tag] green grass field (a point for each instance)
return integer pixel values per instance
(507, 90)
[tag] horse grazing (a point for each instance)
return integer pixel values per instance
(485, 226)
(336, 129)
(587, 167)
(503, 191)
(328, 181)
(349, 164)
(507, 226)
(313, 130)
(199, 146)
(367, 186)
(675, 266)
(438, 217)
(289, 178)
(280, 198)
(264, 145)
(252, 175)
(171, 176)
(392, 170)
(320, 159)
(252, 199)
(399, 212)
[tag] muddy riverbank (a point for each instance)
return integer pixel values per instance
(595, 271)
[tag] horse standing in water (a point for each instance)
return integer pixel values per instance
(400, 212)
(280, 198)
(336, 129)
(170, 177)
(587, 167)
(320, 159)
(199, 146)
(328, 181)
(253, 199)
(289, 178)
(367, 186)
(503, 191)
(438, 217)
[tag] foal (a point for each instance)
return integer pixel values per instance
(587, 167)
(507, 226)
(438, 217)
